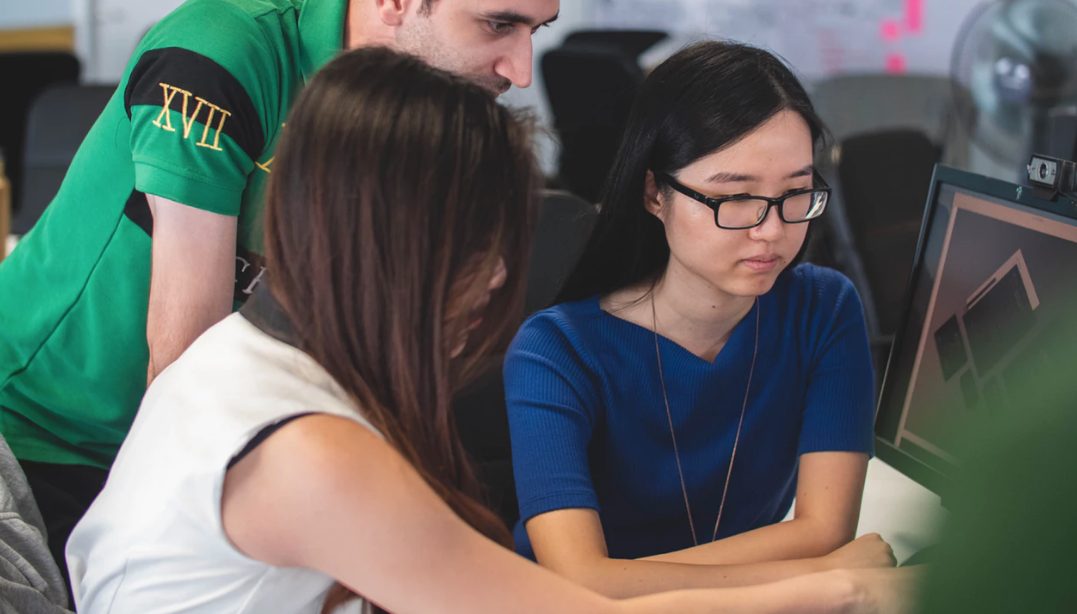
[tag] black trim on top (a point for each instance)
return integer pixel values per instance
(175, 67)
(262, 435)
(266, 314)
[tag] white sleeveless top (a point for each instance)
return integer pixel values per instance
(153, 540)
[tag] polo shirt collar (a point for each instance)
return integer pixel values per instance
(321, 33)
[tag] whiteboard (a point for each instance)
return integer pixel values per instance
(819, 38)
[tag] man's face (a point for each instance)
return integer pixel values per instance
(486, 41)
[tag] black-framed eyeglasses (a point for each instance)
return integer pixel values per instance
(741, 211)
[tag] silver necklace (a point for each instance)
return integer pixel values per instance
(673, 434)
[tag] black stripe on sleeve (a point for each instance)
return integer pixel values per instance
(137, 210)
(160, 72)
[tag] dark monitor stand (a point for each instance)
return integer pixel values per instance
(991, 281)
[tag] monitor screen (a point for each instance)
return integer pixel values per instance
(991, 289)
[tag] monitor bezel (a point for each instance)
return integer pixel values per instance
(942, 175)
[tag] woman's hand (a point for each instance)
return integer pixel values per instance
(868, 550)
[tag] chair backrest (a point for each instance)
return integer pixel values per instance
(591, 81)
(24, 75)
(58, 121)
(590, 91)
(857, 103)
(883, 183)
(563, 228)
(564, 224)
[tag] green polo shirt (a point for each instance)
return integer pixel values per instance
(194, 120)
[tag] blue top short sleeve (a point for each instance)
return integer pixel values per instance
(589, 427)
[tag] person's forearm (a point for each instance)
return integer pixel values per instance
(793, 539)
(833, 592)
(192, 275)
(170, 331)
(875, 591)
(627, 578)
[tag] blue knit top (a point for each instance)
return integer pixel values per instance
(589, 426)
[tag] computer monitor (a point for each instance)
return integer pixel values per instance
(992, 287)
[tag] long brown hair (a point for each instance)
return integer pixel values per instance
(396, 188)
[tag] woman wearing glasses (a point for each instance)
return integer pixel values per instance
(695, 380)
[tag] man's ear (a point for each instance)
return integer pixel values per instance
(391, 12)
(652, 196)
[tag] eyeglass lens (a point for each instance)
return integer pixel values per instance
(750, 211)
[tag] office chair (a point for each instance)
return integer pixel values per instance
(591, 81)
(24, 75)
(852, 104)
(856, 103)
(590, 91)
(564, 225)
(873, 222)
(56, 125)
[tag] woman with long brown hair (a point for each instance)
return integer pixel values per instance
(306, 442)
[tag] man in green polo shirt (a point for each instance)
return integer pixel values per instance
(155, 233)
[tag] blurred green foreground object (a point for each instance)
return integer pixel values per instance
(1011, 540)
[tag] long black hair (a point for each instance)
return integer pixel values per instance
(702, 99)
